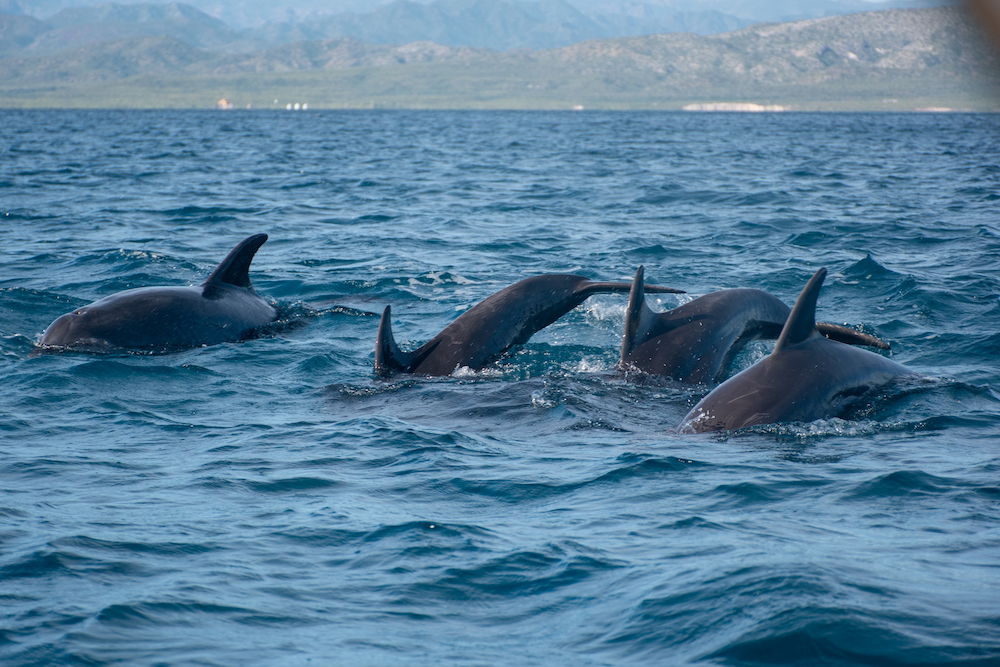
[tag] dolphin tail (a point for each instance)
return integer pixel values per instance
(850, 336)
(659, 289)
(388, 356)
(589, 287)
(801, 322)
(235, 268)
(638, 316)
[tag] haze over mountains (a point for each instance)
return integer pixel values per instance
(145, 55)
(500, 24)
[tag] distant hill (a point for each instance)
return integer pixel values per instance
(242, 14)
(160, 55)
(751, 11)
(498, 24)
(871, 44)
(502, 25)
(111, 22)
(239, 14)
(886, 59)
(18, 32)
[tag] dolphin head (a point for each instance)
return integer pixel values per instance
(74, 329)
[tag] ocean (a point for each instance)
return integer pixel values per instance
(274, 502)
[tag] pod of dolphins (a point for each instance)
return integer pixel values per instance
(816, 371)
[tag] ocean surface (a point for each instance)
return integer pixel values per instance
(273, 502)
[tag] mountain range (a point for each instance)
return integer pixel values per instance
(497, 24)
(886, 59)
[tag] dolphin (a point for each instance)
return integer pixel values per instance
(697, 341)
(488, 329)
(224, 308)
(806, 377)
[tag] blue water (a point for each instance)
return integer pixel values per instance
(273, 502)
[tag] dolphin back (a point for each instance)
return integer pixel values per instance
(697, 341)
(484, 332)
(807, 377)
(225, 308)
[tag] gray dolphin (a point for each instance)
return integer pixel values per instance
(697, 341)
(488, 329)
(224, 308)
(806, 377)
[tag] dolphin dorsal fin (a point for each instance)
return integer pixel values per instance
(801, 322)
(388, 356)
(638, 316)
(235, 268)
